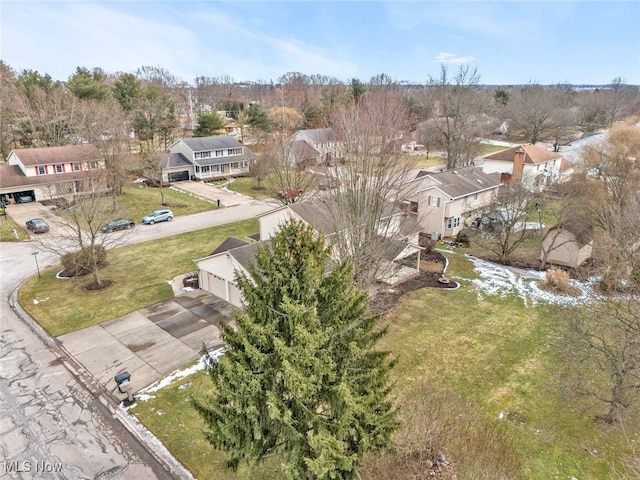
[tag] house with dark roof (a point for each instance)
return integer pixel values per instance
(315, 147)
(532, 166)
(443, 203)
(217, 272)
(568, 243)
(206, 158)
(51, 172)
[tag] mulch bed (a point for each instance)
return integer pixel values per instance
(387, 298)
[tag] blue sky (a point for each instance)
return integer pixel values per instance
(510, 42)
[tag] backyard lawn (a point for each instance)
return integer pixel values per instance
(496, 361)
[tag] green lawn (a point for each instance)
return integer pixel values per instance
(139, 274)
(138, 199)
(7, 227)
(491, 354)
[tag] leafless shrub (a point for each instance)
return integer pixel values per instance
(444, 437)
(558, 280)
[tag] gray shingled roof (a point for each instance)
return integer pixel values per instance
(582, 230)
(199, 144)
(315, 135)
(175, 160)
(462, 182)
(228, 244)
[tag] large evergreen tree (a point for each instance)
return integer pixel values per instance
(300, 377)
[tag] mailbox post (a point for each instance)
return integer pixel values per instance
(124, 384)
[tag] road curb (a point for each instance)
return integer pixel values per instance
(149, 441)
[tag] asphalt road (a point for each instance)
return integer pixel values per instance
(55, 421)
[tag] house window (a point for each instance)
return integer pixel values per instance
(219, 153)
(453, 222)
(465, 200)
(234, 151)
(433, 201)
(76, 167)
(205, 169)
(93, 165)
(59, 168)
(41, 171)
(414, 207)
(206, 154)
(475, 196)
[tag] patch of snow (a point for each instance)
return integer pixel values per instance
(503, 281)
(178, 375)
(188, 289)
(527, 226)
(36, 301)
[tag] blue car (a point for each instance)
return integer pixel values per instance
(158, 216)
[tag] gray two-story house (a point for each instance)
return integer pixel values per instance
(206, 158)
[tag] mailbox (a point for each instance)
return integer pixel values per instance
(122, 379)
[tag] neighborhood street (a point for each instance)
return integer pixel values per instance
(55, 420)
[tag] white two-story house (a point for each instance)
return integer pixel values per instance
(445, 202)
(532, 166)
(48, 173)
(316, 147)
(206, 158)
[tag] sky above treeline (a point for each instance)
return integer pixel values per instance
(509, 42)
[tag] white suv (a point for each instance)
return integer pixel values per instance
(158, 216)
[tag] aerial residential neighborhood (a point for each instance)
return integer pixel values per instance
(263, 240)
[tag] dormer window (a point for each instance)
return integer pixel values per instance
(42, 170)
(59, 168)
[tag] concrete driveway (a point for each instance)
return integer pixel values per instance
(227, 197)
(152, 342)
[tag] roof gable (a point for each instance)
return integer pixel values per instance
(461, 182)
(315, 135)
(534, 155)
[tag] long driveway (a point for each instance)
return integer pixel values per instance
(56, 420)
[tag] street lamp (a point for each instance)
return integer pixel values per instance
(35, 255)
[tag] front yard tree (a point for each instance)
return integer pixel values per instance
(300, 377)
(373, 173)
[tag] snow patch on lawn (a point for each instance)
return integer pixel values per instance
(503, 281)
(145, 394)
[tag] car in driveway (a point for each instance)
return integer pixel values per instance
(37, 225)
(120, 224)
(158, 216)
(24, 199)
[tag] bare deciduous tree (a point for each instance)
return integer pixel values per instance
(373, 172)
(604, 337)
(615, 203)
(456, 105)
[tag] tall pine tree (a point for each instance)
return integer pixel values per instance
(300, 377)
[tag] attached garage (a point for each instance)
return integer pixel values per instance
(180, 176)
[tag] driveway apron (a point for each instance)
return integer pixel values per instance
(152, 342)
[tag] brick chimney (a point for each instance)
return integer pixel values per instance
(518, 165)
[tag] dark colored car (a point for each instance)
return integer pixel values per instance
(120, 224)
(37, 225)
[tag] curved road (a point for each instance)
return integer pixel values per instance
(55, 421)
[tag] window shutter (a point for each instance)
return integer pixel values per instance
(438, 201)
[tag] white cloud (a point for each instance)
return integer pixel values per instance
(444, 57)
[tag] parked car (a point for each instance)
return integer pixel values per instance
(24, 199)
(290, 193)
(37, 225)
(158, 216)
(120, 224)
(330, 184)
